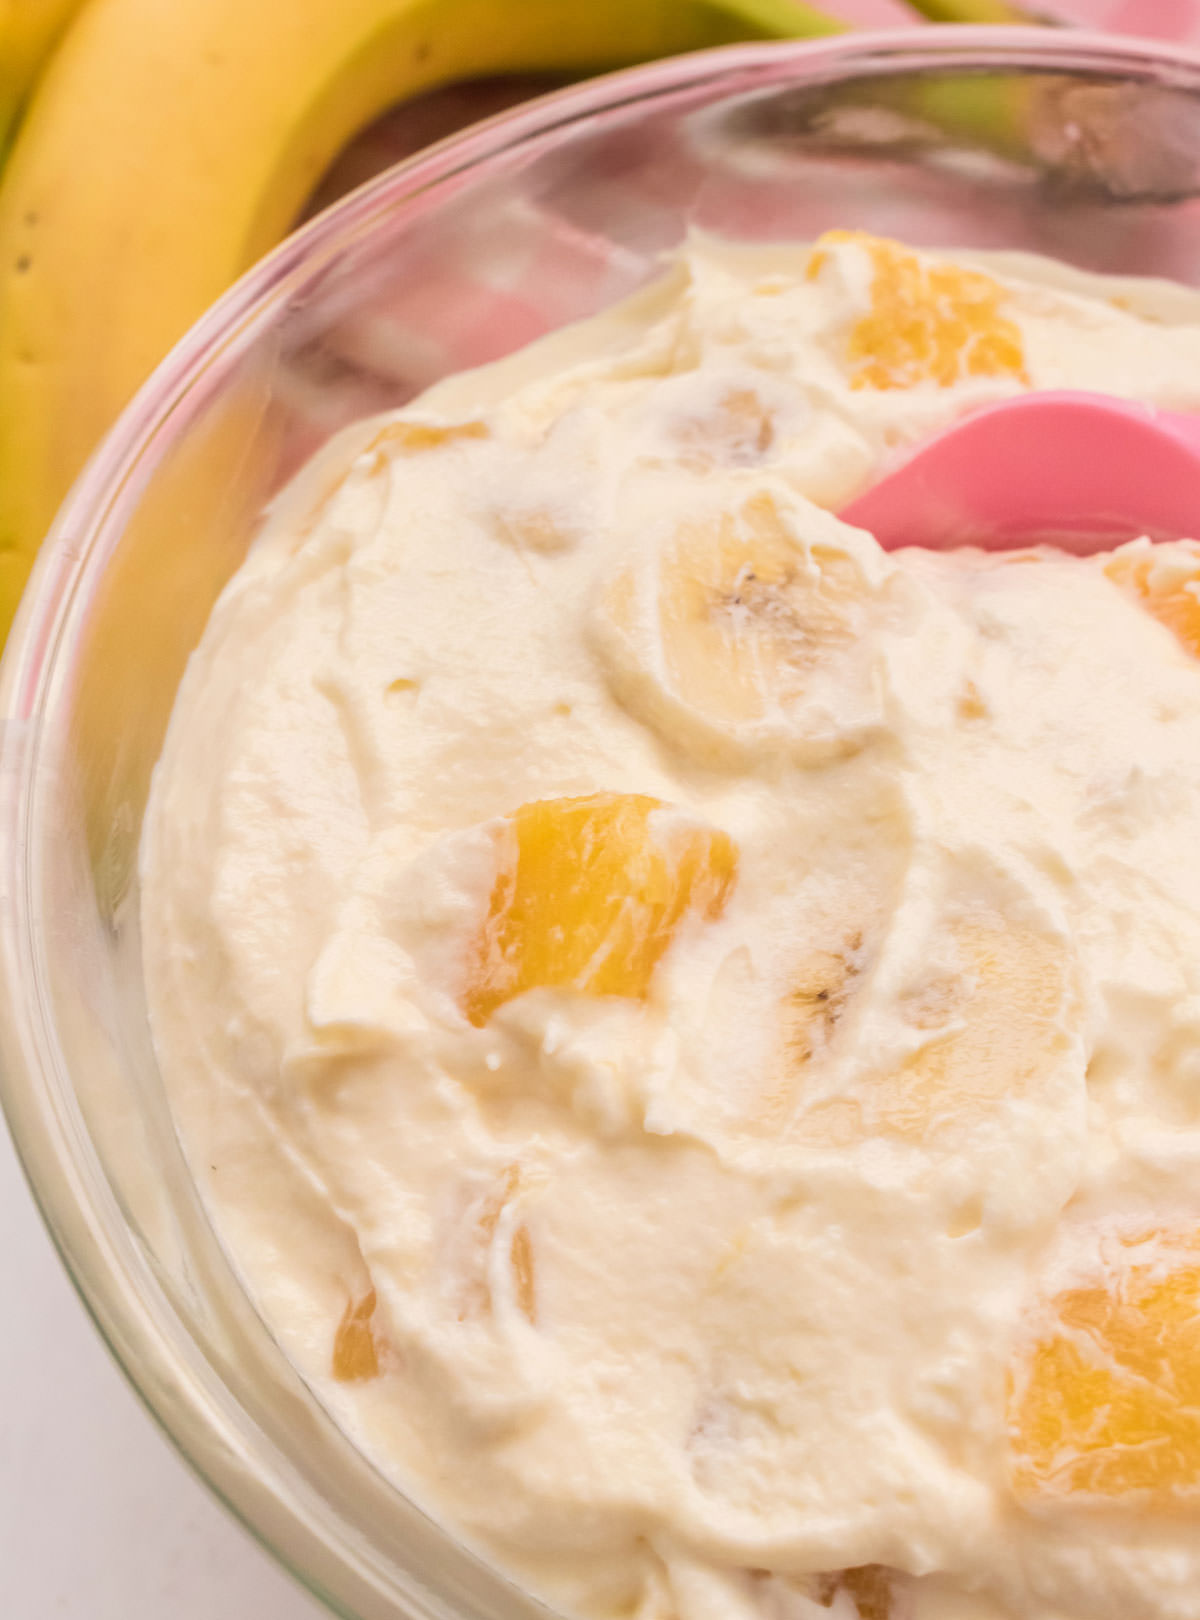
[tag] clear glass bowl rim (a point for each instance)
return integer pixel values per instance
(147, 1337)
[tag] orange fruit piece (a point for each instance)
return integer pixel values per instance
(928, 322)
(1159, 578)
(355, 1351)
(1107, 1402)
(589, 895)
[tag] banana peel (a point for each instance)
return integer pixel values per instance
(975, 11)
(29, 31)
(171, 142)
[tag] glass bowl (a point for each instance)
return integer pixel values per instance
(1068, 144)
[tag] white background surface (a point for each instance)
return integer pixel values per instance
(99, 1519)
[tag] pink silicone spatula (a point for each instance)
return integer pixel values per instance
(1083, 472)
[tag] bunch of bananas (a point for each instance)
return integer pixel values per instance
(162, 145)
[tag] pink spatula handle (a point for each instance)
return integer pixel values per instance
(1081, 471)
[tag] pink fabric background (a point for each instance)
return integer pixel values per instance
(1152, 19)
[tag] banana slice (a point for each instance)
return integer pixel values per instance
(745, 632)
(822, 982)
(777, 1012)
(984, 1021)
(995, 1023)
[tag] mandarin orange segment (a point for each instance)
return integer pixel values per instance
(928, 322)
(1107, 1402)
(1171, 594)
(355, 1351)
(590, 894)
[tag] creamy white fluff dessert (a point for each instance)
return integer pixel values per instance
(688, 1023)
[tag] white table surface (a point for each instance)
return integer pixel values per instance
(99, 1519)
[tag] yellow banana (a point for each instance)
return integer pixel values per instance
(29, 31)
(974, 11)
(171, 142)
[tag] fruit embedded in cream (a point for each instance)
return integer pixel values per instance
(1105, 1396)
(686, 1022)
(588, 895)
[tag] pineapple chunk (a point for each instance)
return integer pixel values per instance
(1106, 1404)
(928, 322)
(589, 896)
